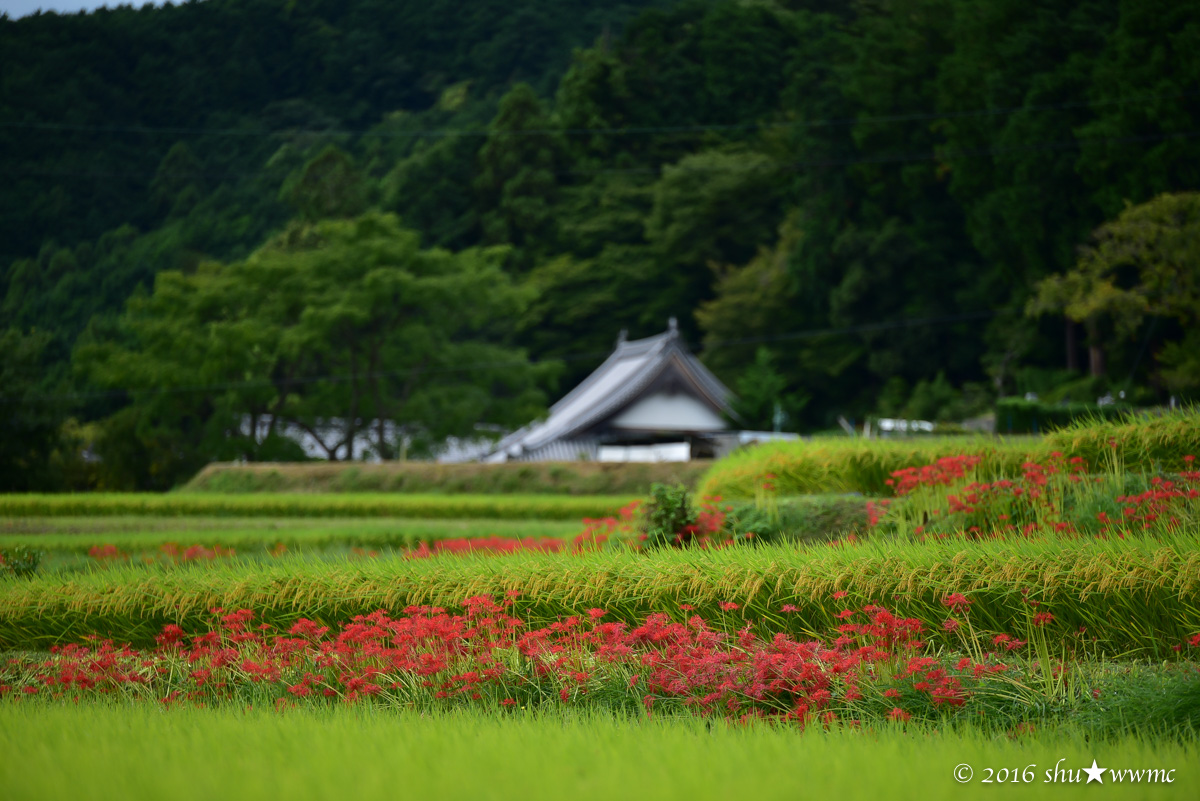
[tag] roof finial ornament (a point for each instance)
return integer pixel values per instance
(621, 337)
(673, 327)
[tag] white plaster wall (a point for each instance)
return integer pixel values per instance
(671, 413)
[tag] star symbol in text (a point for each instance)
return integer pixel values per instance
(1095, 774)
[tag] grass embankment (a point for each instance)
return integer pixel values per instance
(132, 534)
(567, 478)
(118, 752)
(507, 507)
(857, 465)
(1133, 597)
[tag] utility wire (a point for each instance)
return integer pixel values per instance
(888, 158)
(625, 131)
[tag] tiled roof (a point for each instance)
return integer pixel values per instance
(623, 376)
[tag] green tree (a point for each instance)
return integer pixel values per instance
(710, 208)
(29, 421)
(428, 189)
(179, 182)
(759, 301)
(327, 186)
(1145, 263)
(328, 328)
(517, 183)
(763, 402)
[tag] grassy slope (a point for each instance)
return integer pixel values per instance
(1138, 596)
(571, 478)
(857, 465)
(134, 753)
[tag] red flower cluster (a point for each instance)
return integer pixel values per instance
(1160, 500)
(194, 553)
(943, 472)
(485, 654)
(1041, 500)
(168, 551)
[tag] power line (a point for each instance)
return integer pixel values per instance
(815, 333)
(445, 132)
(338, 378)
(888, 158)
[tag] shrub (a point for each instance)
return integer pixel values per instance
(19, 561)
(668, 519)
(1018, 416)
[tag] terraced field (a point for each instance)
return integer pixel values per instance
(974, 608)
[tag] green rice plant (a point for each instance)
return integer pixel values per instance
(1145, 444)
(849, 465)
(1136, 698)
(133, 535)
(1057, 494)
(546, 507)
(871, 668)
(1133, 596)
(113, 751)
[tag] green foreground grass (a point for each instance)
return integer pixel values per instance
(130, 753)
(367, 504)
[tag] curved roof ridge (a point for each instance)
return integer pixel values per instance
(624, 350)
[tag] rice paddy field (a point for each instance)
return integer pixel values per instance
(872, 619)
(112, 752)
(291, 505)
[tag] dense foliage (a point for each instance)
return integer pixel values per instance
(849, 206)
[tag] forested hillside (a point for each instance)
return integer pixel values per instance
(278, 209)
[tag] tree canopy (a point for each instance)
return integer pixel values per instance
(327, 329)
(848, 206)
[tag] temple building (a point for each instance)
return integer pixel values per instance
(651, 400)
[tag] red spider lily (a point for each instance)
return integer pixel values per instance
(107, 553)
(432, 656)
(957, 602)
(943, 472)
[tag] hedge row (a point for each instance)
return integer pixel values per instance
(557, 478)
